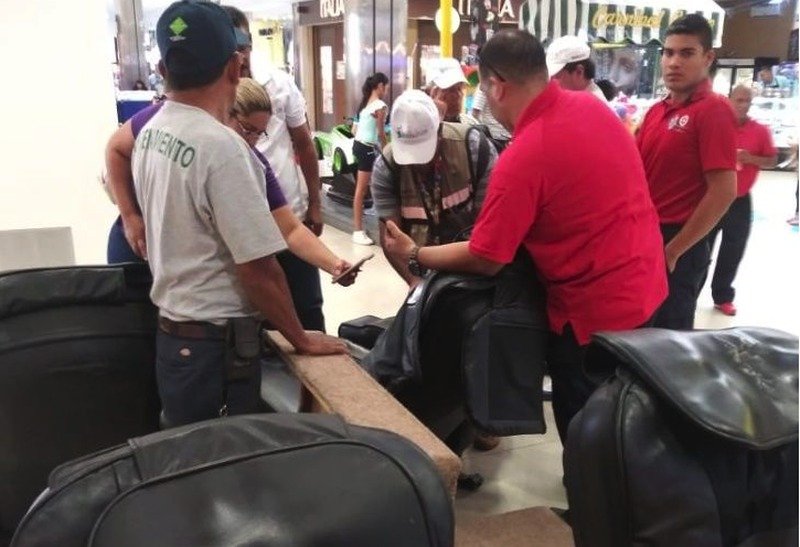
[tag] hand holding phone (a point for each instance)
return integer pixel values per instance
(352, 270)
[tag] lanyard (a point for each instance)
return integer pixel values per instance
(430, 190)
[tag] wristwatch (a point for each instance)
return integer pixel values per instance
(414, 266)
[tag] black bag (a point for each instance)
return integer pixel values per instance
(693, 442)
(364, 331)
(77, 354)
(473, 339)
(270, 480)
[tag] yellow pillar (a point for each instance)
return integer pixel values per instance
(446, 34)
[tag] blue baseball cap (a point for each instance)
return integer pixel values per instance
(203, 31)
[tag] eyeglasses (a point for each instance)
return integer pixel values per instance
(486, 67)
(249, 131)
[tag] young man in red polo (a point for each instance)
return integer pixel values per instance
(755, 151)
(583, 213)
(688, 146)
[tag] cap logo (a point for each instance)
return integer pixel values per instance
(177, 27)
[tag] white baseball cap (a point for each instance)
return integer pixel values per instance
(445, 72)
(565, 50)
(415, 128)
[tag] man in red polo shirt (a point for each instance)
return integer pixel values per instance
(571, 189)
(688, 146)
(754, 152)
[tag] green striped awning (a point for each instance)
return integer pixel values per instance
(636, 21)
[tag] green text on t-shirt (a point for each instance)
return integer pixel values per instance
(167, 145)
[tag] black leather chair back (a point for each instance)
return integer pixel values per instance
(77, 354)
(693, 441)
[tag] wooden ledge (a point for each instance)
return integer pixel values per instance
(534, 527)
(336, 384)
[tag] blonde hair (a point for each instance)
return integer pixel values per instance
(251, 97)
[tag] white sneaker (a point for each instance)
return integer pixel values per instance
(361, 238)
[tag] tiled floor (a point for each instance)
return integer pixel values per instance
(526, 471)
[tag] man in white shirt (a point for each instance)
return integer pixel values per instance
(289, 148)
(211, 239)
(568, 61)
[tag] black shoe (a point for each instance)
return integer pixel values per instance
(470, 482)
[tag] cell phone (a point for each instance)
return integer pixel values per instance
(352, 268)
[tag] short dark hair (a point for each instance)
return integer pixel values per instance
(177, 81)
(695, 25)
(237, 16)
(514, 55)
(588, 68)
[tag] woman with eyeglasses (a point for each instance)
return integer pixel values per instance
(249, 117)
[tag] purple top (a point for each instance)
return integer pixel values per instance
(139, 119)
(275, 195)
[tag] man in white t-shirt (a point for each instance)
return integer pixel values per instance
(483, 113)
(211, 239)
(569, 61)
(288, 142)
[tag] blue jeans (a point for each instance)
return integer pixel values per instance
(193, 385)
(118, 249)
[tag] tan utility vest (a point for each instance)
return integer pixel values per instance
(456, 210)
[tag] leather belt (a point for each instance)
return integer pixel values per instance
(199, 330)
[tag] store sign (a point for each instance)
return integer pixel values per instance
(616, 16)
(331, 9)
(503, 8)
(605, 18)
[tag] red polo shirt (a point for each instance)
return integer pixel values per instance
(572, 190)
(756, 139)
(680, 143)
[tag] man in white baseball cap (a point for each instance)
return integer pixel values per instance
(568, 61)
(423, 180)
(447, 88)
(429, 182)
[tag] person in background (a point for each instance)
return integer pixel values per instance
(482, 112)
(447, 88)
(755, 151)
(769, 80)
(156, 82)
(139, 85)
(291, 153)
(568, 61)
(370, 138)
(688, 145)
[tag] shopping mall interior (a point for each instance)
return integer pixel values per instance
(77, 72)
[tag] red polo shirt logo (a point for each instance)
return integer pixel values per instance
(679, 122)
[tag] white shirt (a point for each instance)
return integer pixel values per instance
(480, 103)
(288, 111)
(203, 198)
